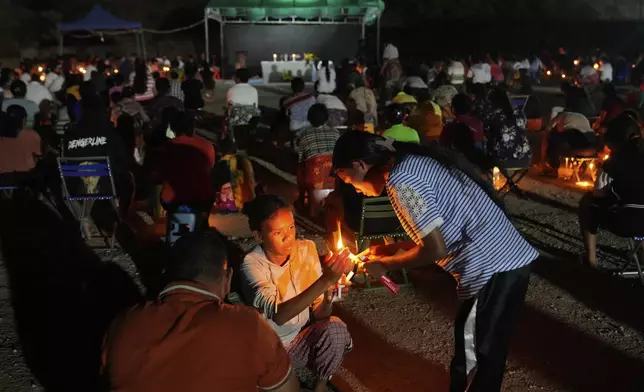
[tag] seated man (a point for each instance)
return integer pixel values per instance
(242, 100)
(396, 116)
(189, 340)
(184, 166)
(297, 106)
(617, 206)
(283, 278)
(20, 148)
(567, 133)
(314, 146)
(19, 92)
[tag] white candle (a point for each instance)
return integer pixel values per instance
(274, 57)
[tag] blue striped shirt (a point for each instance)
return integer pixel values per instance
(480, 239)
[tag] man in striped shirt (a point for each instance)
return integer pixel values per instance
(454, 221)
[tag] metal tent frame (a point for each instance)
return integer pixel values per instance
(345, 18)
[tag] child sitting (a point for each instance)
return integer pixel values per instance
(233, 179)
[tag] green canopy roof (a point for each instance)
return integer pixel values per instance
(257, 10)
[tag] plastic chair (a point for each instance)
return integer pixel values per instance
(90, 170)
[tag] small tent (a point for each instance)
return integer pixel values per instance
(99, 20)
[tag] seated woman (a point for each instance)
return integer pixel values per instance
(505, 128)
(426, 118)
(338, 114)
(617, 207)
(568, 133)
(463, 112)
(128, 105)
(365, 102)
(284, 279)
(443, 96)
(612, 107)
(233, 178)
(314, 146)
(396, 116)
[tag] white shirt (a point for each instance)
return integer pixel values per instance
(415, 82)
(481, 73)
(326, 86)
(88, 72)
(536, 65)
(525, 64)
(36, 92)
(390, 52)
(456, 72)
(587, 71)
(606, 71)
(331, 102)
(54, 82)
(243, 94)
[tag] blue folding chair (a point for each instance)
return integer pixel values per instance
(8, 190)
(90, 171)
(635, 245)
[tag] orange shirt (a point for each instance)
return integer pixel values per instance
(186, 163)
(18, 154)
(192, 342)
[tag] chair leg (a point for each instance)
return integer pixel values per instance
(82, 217)
(636, 258)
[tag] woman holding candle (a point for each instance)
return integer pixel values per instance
(284, 279)
(455, 221)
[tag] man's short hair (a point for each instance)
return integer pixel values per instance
(163, 86)
(183, 124)
(18, 88)
(318, 115)
(242, 74)
(297, 85)
(197, 255)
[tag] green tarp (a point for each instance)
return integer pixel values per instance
(256, 10)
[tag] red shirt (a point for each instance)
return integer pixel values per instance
(192, 342)
(185, 166)
(472, 122)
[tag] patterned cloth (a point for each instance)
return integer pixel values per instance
(337, 117)
(321, 347)
(242, 114)
(175, 89)
(506, 136)
(480, 239)
(443, 95)
(312, 142)
(315, 173)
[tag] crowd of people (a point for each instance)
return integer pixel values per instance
(426, 138)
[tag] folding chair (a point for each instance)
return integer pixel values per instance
(90, 170)
(378, 221)
(513, 175)
(7, 190)
(635, 245)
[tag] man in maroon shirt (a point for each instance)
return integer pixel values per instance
(184, 167)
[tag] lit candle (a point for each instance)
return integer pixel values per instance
(39, 69)
(274, 57)
(294, 56)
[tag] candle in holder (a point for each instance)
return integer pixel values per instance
(274, 57)
(359, 260)
(294, 56)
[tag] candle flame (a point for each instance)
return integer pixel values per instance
(339, 245)
(596, 66)
(584, 184)
(548, 73)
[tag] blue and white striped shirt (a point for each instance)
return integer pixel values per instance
(480, 239)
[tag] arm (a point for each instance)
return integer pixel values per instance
(294, 306)
(273, 364)
(600, 120)
(432, 249)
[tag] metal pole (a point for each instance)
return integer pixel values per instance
(145, 54)
(221, 46)
(61, 37)
(378, 40)
(205, 22)
(138, 45)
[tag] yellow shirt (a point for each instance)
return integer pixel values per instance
(402, 133)
(403, 98)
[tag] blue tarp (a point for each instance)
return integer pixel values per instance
(99, 19)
